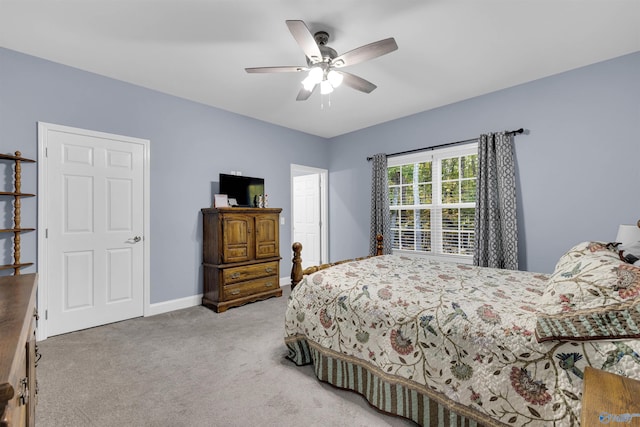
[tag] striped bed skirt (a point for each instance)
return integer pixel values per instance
(388, 393)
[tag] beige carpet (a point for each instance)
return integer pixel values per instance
(190, 367)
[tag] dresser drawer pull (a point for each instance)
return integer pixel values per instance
(268, 269)
(23, 394)
(235, 275)
(268, 284)
(38, 356)
(236, 292)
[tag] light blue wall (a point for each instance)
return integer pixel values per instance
(578, 169)
(190, 145)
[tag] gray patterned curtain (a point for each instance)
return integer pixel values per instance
(380, 217)
(496, 234)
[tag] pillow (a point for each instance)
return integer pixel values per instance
(591, 295)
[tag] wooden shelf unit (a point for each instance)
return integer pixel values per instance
(17, 195)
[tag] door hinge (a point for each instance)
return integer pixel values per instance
(46, 314)
(46, 233)
(46, 151)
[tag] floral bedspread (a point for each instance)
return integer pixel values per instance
(459, 331)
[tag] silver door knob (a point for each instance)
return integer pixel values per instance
(135, 239)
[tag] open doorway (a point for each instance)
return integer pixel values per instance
(309, 224)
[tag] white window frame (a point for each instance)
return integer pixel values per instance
(434, 156)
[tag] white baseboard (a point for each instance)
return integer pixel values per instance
(186, 302)
(172, 305)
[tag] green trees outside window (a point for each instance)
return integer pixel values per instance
(432, 202)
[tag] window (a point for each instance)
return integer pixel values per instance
(432, 198)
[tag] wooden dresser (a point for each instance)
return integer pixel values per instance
(241, 256)
(18, 386)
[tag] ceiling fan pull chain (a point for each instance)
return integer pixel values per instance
(322, 101)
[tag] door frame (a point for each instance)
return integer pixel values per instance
(43, 202)
(298, 170)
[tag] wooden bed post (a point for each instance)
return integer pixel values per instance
(379, 244)
(296, 269)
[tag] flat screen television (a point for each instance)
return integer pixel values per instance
(242, 188)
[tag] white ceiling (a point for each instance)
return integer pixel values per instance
(448, 50)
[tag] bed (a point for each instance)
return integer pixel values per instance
(452, 344)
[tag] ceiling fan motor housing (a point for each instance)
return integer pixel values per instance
(321, 37)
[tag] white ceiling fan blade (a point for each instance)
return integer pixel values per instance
(357, 83)
(365, 53)
(304, 94)
(283, 69)
(305, 40)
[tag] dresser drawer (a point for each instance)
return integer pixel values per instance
(250, 287)
(249, 272)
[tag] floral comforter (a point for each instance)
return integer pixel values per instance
(453, 330)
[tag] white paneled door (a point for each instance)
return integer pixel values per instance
(306, 218)
(95, 241)
(309, 214)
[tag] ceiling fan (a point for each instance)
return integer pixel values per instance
(323, 62)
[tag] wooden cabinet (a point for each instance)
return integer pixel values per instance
(267, 236)
(18, 388)
(241, 256)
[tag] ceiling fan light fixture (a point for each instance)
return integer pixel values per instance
(308, 84)
(325, 87)
(316, 74)
(334, 78)
(322, 59)
(313, 78)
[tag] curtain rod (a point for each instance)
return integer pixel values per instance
(466, 141)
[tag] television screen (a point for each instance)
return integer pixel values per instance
(242, 188)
